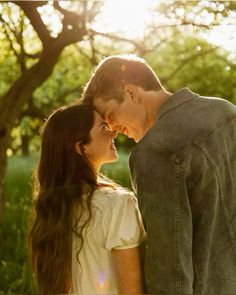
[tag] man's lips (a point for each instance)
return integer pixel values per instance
(125, 131)
(122, 130)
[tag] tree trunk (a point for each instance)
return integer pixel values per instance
(3, 167)
(12, 103)
(25, 145)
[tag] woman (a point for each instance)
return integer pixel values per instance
(86, 231)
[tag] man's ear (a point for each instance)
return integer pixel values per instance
(132, 92)
(78, 148)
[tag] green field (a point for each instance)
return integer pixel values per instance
(15, 271)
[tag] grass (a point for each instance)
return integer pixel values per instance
(15, 272)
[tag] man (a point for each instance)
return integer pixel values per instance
(183, 172)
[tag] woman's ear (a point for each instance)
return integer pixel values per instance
(78, 148)
(132, 92)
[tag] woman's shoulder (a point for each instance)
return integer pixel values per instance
(113, 195)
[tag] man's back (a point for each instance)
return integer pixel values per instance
(184, 172)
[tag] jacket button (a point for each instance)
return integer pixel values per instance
(177, 160)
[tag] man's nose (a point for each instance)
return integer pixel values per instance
(111, 126)
(109, 119)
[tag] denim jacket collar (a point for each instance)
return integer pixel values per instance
(174, 100)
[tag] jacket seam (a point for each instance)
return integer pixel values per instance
(176, 105)
(222, 200)
(177, 229)
(211, 130)
(178, 156)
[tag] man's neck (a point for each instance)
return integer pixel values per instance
(154, 101)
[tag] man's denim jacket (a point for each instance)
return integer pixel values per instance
(184, 174)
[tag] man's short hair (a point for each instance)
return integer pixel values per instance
(114, 72)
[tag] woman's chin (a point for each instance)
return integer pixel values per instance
(113, 158)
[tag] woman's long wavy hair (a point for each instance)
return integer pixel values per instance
(63, 176)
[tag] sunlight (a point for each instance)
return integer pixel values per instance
(129, 17)
(224, 34)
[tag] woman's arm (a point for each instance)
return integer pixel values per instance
(128, 270)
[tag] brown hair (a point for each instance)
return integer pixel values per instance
(63, 176)
(114, 72)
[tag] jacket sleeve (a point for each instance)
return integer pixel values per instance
(159, 183)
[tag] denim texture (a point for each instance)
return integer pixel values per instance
(184, 174)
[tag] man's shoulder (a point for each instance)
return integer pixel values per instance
(182, 119)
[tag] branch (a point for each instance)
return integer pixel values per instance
(94, 10)
(18, 34)
(19, 38)
(114, 37)
(63, 95)
(183, 24)
(30, 10)
(74, 26)
(146, 50)
(32, 111)
(186, 61)
(92, 59)
(19, 56)
(5, 26)
(70, 18)
(229, 63)
(36, 55)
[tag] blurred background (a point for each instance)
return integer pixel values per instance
(47, 52)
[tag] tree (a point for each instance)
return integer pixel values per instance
(171, 45)
(33, 74)
(32, 68)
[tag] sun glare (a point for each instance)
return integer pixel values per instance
(129, 17)
(224, 34)
(132, 17)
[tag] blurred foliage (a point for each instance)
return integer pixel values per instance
(196, 64)
(183, 62)
(172, 45)
(15, 271)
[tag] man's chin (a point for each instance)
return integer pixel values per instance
(135, 138)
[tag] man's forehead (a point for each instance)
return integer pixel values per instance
(98, 106)
(101, 105)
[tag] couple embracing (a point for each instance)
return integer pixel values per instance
(88, 231)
